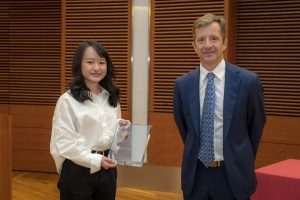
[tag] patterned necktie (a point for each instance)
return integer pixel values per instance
(206, 151)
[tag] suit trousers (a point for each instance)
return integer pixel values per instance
(211, 184)
(76, 183)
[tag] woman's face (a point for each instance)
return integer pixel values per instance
(93, 67)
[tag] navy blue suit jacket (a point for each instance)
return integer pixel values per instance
(243, 122)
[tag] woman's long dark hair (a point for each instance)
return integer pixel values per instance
(78, 88)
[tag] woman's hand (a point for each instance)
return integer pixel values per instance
(124, 125)
(124, 122)
(107, 163)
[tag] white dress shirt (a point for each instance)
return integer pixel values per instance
(219, 71)
(78, 128)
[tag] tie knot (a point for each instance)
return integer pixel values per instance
(210, 76)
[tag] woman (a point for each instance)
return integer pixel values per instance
(84, 123)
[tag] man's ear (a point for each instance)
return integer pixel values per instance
(193, 45)
(225, 44)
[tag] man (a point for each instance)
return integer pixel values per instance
(219, 111)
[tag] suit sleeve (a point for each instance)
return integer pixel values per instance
(178, 112)
(256, 114)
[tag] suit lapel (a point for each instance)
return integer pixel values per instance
(193, 93)
(232, 81)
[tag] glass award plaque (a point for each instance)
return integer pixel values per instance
(129, 145)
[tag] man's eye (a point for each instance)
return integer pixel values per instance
(200, 40)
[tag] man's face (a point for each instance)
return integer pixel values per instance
(209, 45)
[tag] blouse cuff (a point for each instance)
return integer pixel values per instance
(95, 161)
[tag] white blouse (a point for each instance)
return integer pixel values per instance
(78, 128)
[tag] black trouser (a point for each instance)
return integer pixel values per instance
(76, 183)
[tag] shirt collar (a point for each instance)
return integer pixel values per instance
(219, 71)
(103, 91)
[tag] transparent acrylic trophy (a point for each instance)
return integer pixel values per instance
(129, 145)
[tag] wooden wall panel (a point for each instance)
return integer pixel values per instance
(165, 145)
(263, 37)
(5, 157)
(268, 42)
(33, 160)
(284, 130)
(36, 38)
(270, 153)
(171, 55)
(277, 143)
(230, 16)
(34, 52)
(32, 116)
(267, 38)
(280, 140)
(109, 23)
(4, 52)
(4, 108)
(31, 127)
(31, 138)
